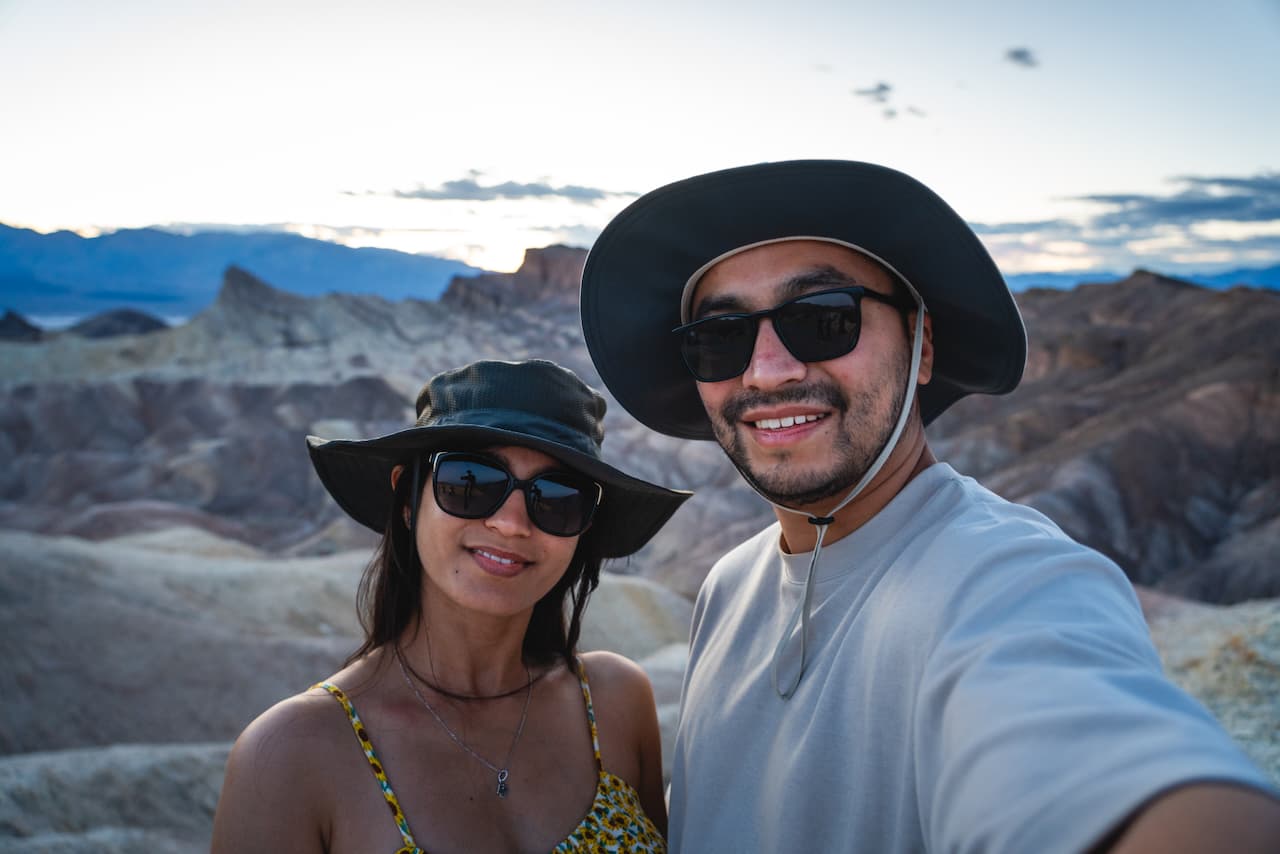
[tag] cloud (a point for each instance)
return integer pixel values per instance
(573, 235)
(1043, 226)
(1233, 199)
(329, 232)
(1021, 56)
(1205, 218)
(190, 228)
(1267, 243)
(1267, 182)
(469, 189)
(878, 93)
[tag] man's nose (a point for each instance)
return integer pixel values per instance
(771, 364)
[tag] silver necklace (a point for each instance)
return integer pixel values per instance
(503, 772)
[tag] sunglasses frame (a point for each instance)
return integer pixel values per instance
(514, 483)
(858, 292)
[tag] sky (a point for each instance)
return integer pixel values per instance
(1091, 136)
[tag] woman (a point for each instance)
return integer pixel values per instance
(477, 728)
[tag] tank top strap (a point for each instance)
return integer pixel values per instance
(591, 713)
(367, 745)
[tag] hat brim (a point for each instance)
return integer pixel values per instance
(638, 267)
(357, 473)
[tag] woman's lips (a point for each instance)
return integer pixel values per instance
(498, 562)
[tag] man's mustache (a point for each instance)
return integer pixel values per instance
(820, 394)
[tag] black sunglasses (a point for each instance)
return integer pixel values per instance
(471, 486)
(813, 327)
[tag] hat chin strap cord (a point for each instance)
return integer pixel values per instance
(801, 614)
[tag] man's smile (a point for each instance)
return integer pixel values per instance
(785, 421)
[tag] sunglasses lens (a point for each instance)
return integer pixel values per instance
(814, 328)
(560, 506)
(820, 327)
(558, 503)
(718, 348)
(469, 488)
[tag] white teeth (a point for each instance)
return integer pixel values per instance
(789, 421)
(491, 556)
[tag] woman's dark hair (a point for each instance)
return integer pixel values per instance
(389, 599)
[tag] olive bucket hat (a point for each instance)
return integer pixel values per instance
(534, 404)
(637, 271)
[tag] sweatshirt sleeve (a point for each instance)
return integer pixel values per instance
(1044, 717)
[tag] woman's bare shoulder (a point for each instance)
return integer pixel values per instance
(620, 690)
(609, 671)
(272, 796)
(630, 738)
(291, 731)
(292, 725)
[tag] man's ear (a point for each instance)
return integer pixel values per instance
(926, 348)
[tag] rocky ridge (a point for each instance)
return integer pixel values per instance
(551, 274)
(140, 658)
(15, 327)
(1146, 425)
(179, 564)
(124, 321)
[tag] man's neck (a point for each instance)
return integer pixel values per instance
(909, 458)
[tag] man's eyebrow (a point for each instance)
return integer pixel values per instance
(824, 276)
(723, 304)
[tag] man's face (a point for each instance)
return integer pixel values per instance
(805, 432)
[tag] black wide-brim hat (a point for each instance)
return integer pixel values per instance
(534, 404)
(637, 270)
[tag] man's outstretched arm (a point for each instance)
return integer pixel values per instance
(1201, 817)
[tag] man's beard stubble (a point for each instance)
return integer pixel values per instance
(850, 459)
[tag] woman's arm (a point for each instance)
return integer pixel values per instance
(630, 739)
(651, 789)
(270, 800)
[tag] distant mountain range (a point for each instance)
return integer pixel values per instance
(166, 274)
(175, 276)
(1254, 277)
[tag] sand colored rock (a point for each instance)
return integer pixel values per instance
(181, 569)
(1229, 658)
(635, 617)
(114, 800)
(117, 649)
(116, 644)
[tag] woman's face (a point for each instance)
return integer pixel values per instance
(500, 565)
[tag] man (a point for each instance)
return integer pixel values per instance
(904, 662)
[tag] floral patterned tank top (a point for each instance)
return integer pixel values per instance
(615, 823)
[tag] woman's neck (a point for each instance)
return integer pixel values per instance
(466, 655)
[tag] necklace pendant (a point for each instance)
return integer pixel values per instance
(502, 784)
